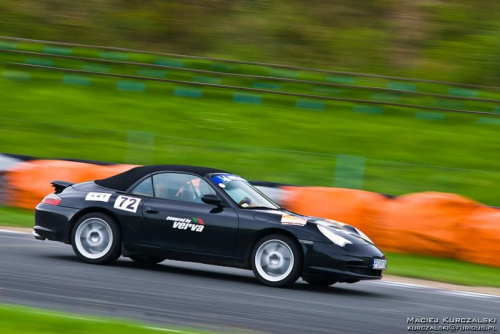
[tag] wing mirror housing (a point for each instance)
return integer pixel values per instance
(212, 199)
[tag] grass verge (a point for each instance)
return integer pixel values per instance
(442, 270)
(436, 269)
(14, 217)
(14, 319)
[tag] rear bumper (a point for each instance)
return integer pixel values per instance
(37, 236)
(350, 264)
(53, 222)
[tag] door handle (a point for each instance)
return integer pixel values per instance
(151, 210)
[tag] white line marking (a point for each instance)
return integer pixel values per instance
(406, 285)
(166, 330)
(457, 293)
(468, 294)
(14, 232)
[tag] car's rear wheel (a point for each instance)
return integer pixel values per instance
(277, 260)
(146, 260)
(320, 282)
(96, 239)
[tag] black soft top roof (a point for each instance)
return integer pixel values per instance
(126, 179)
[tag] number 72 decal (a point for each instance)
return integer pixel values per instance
(127, 203)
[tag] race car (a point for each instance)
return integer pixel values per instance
(205, 215)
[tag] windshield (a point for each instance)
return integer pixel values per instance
(242, 192)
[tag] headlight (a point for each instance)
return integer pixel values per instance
(364, 236)
(335, 238)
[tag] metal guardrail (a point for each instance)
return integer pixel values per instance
(257, 90)
(239, 75)
(272, 65)
(259, 77)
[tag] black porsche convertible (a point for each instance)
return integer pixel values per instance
(199, 214)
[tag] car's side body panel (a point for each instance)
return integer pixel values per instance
(192, 227)
(54, 224)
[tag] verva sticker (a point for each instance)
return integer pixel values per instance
(291, 220)
(127, 203)
(195, 224)
(98, 197)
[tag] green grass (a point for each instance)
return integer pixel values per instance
(275, 141)
(14, 320)
(443, 270)
(15, 217)
(436, 269)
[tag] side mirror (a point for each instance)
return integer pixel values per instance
(211, 199)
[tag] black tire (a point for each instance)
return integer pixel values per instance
(87, 232)
(146, 260)
(284, 246)
(320, 282)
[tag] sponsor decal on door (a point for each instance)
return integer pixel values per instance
(194, 224)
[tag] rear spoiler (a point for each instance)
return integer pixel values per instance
(59, 186)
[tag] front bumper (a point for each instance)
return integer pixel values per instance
(344, 264)
(53, 222)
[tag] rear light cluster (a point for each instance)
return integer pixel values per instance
(51, 200)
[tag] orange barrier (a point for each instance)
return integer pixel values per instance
(480, 237)
(429, 223)
(424, 223)
(28, 182)
(356, 207)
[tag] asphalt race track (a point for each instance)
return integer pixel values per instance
(48, 275)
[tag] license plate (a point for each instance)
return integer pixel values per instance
(379, 264)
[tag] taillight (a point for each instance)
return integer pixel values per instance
(51, 200)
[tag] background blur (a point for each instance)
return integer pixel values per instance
(392, 97)
(433, 39)
(290, 139)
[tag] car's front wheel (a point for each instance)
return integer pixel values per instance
(146, 260)
(277, 260)
(96, 239)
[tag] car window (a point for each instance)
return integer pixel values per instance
(242, 192)
(181, 187)
(144, 188)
